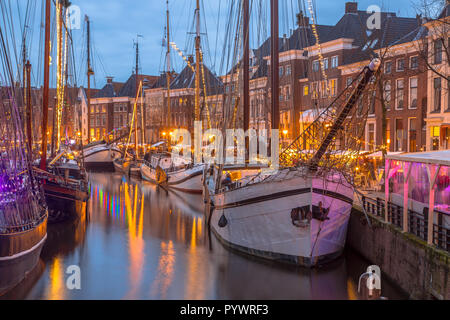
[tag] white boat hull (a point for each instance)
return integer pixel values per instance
(101, 157)
(258, 219)
(186, 180)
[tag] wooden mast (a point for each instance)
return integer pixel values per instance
(168, 75)
(137, 95)
(46, 86)
(246, 67)
(197, 63)
(89, 73)
(28, 104)
(246, 74)
(274, 65)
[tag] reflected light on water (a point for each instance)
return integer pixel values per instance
(144, 242)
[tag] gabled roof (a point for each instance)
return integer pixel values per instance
(303, 37)
(129, 88)
(110, 90)
(186, 79)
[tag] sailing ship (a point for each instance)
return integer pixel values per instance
(167, 169)
(100, 155)
(298, 213)
(23, 212)
(64, 181)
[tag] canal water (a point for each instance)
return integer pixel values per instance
(139, 241)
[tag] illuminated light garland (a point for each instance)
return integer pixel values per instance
(204, 90)
(180, 53)
(316, 35)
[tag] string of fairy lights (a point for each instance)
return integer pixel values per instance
(316, 36)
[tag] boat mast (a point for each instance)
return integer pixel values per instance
(46, 86)
(59, 85)
(168, 75)
(197, 63)
(89, 73)
(137, 95)
(274, 65)
(246, 67)
(28, 104)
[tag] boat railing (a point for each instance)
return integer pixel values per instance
(67, 182)
(22, 215)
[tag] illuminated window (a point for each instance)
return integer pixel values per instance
(435, 131)
(305, 90)
(333, 87)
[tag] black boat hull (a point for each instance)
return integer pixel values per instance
(64, 204)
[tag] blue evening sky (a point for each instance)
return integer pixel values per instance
(115, 24)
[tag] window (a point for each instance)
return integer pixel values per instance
(398, 134)
(288, 70)
(438, 51)
(323, 88)
(349, 81)
(281, 71)
(412, 136)
(400, 64)
(435, 135)
(437, 95)
(372, 102)
(399, 96)
(413, 93)
(387, 95)
(104, 108)
(414, 62)
(305, 90)
(315, 65)
(333, 87)
(288, 92)
(388, 134)
(448, 96)
(325, 63)
(388, 67)
(315, 90)
(371, 136)
(334, 62)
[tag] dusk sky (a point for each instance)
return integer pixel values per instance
(116, 23)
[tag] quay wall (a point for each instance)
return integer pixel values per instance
(420, 270)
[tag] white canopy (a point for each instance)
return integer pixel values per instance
(432, 157)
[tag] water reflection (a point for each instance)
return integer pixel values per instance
(144, 242)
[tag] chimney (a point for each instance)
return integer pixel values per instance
(351, 7)
(109, 80)
(302, 20)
